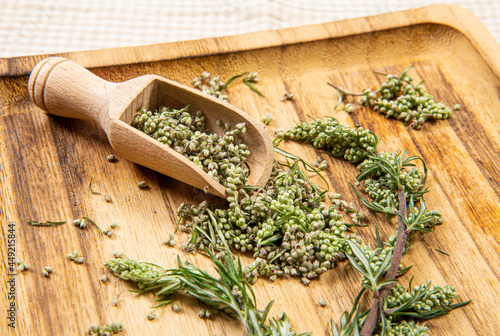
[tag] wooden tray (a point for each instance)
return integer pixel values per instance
(47, 164)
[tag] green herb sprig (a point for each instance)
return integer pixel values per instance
(336, 139)
(230, 292)
(399, 98)
(214, 86)
(395, 187)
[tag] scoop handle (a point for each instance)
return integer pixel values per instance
(64, 88)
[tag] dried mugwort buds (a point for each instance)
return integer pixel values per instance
(142, 185)
(111, 158)
(286, 96)
(222, 156)
(267, 118)
(22, 266)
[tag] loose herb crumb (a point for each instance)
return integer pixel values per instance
(80, 223)
(443, 252)
(287, 96)
(142, 184)
(109, 329)
(108, 232)
(267, 118)
(170, 241)
(79, 260)
(348, 108)
(47, 223)
(22, 266)
(75, 257)
(47, 271)
(111, 158)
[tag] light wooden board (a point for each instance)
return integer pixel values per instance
(46, 164)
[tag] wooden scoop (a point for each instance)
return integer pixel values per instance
(64, 88)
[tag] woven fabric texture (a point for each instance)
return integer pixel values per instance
(30, 27)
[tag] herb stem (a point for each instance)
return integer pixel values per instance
(400, 240)
(373, 316)
(95, 224)
(90, 188)
(343, 91)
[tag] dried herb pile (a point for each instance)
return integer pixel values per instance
(220, 156)
(399, 98)
(289, 226)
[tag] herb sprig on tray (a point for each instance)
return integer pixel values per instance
(289, 228)
(395, 187)
(399, 98)
(230, 293)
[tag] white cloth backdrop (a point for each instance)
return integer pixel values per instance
(30, 27)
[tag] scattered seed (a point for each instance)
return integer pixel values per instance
(348, 108)
(286, 96)
(142, 184)
(253, 77)
(305, 281)
(176, 308)
(22, 266)
(322, 303)
(80, 223)
(111, 158)
(267, 118)
(79, 260)
(109, 329)
(73, 256)
(108, 232)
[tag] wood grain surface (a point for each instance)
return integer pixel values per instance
(47, 162)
